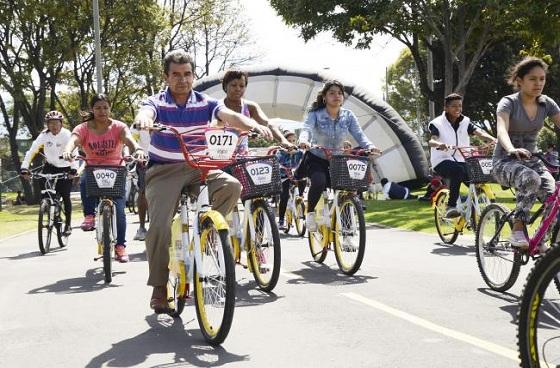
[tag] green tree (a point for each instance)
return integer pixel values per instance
(461, 31)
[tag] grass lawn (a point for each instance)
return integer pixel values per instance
(16, 219)
(416, 215)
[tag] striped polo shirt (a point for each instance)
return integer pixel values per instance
(192, 118)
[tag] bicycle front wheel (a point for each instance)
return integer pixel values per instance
(299, 217)
(264, 249)
(350, 238)
(444, 226)
(538, 332)
(214, 284)
(498, 262)
(44, 226)
(107, 241)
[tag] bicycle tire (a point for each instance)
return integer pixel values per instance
(534, 299)
(341, 247)
(287, 220)
(60, 222)
(107, 241)
(44, 226)
(492, 217)
(447, 235)
(213, 333)
(555, 242)
(132, 198)
(176, 291)
(299, 217)
(318, 242)
(259, 250)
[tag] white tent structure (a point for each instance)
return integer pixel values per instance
(287, 93)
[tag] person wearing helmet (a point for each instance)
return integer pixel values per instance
(289, 160)
(51, 142)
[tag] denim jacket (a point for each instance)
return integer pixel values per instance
(320, 129)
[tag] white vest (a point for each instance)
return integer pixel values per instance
(448, 135)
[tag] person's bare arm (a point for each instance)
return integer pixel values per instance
(243, 123)
(74, 142)
(260, 117)
(502, 128)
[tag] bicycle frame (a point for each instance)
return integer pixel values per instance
(552, 202)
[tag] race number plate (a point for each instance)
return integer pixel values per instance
(260, 173)
(356, 169)
(485, 165)
(105, 178)
(221, 144)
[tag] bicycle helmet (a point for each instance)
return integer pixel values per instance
(53, 115)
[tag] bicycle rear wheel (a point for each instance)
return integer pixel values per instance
(538, 331)
(177, 289)
(498, 262)
(44, 226)
(264, 250)
(132, 199)
(444, 226)
(350, 239)
(299, 217)
(60, 222)
(214, 284)
(288, 216)
(317, 243)
(107, 241)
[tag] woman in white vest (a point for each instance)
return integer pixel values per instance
(452, 129)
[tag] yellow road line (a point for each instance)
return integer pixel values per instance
(475, 341)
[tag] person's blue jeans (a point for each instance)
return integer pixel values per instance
(90, 205)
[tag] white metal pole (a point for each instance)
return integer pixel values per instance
(96, 32)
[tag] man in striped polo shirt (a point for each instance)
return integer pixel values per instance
(179, 106)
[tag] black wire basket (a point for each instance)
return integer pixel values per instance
(349, 172)
(478, 161)
(479, 169)
(105, 181)
(259, 176)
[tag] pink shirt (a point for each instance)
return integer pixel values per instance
(105, 149)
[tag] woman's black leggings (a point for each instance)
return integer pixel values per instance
(286, 184)
(318, 173)
(63, 187)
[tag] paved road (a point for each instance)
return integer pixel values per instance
(414, 303)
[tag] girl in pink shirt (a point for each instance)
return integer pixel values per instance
(102, 139)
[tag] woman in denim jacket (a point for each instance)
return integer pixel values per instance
(327, 125)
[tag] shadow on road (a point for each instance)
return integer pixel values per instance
(93, 280)
(248, 295)
(317, 273)
(137, 257)
(511, 299)
(452, 250)
(166, 335)
(34, 254)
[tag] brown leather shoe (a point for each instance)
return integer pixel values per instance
(159, 300)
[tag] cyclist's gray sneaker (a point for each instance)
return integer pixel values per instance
(518, 239)
(452, 212)
(140, 234)
(310, 221)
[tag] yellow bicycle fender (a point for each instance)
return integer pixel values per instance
(434, 198)
(487, 189)
(217, 218)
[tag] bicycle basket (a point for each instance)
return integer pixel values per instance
(259, 176)
(105, 181)
(479, 164)
(349, 172)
